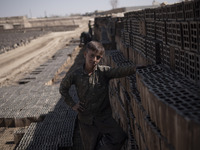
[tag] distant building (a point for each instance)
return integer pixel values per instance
(155, 3)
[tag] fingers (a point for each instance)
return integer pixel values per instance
(81, 106)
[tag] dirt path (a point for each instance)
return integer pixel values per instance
(16, 63)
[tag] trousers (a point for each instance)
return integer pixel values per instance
(102, 135)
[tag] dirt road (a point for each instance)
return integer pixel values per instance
(18, 62)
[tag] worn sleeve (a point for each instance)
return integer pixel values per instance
(65, 85)
(120, 72)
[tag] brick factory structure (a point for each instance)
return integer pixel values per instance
(158, 107)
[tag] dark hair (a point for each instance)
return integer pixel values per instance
(95, 46)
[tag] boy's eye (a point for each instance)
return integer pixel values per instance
(93, 56)
(98, 57)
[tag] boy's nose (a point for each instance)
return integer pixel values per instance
(95, 58)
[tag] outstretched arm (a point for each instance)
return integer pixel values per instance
(120, 72)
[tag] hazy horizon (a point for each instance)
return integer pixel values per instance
(38, 8)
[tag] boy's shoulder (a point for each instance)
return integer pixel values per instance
(76, 71)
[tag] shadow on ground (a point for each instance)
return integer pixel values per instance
(59, 129)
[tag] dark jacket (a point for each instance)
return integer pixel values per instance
(93, 90)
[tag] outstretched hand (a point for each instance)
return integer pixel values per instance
(79, 107)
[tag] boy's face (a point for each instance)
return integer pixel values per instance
(92, 58)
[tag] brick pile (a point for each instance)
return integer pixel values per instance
(159, 105)
(39, 107)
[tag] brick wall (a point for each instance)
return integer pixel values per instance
(159, 106)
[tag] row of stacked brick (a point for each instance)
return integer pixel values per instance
(54, 132)
(11, 40)
(23, 104)
(172, 42)
(158, 106)
(181, 11)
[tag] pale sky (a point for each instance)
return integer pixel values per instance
(38, 8)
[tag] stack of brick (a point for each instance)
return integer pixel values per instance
(159, 105)
(105, 30)
(159, 113)
(166, 35)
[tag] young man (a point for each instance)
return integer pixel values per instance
(97, 127)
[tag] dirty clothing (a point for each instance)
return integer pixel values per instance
(93, 91)
(102, 135)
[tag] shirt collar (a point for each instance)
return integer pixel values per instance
(83, 69)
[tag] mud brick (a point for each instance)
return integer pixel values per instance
(142, 28)
(161, 31)
(131, 54)
(153, 136)
(138, 110)
(141, 14)
(122, 114)
(198, 37)
(190, 65)
(139, 44)
(186, 35)
(129, 25)
(198, 69)
(171, 125)
(194, 40)
(140, 58)
(158, 13)
(197, 10)
(140, 137)
(174, 34)
(169, 33)
(182, 62)
(183, 139)
(125, 24)
(131, 41)
(164, 13)
(167, 122)
(123, 97)
(177, 60)
(153, 103)
(153, 51)
(171, 12)
(172, 58)
(135, 26)
(143, 90)
(195, 135)
(180, 11)
(150, 29)
(189, 10)
(126, 39)
(165, 55)
(131, 120)
(149, 14)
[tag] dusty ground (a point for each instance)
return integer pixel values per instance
(18, 62)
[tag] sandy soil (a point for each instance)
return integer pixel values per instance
(20, 61)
